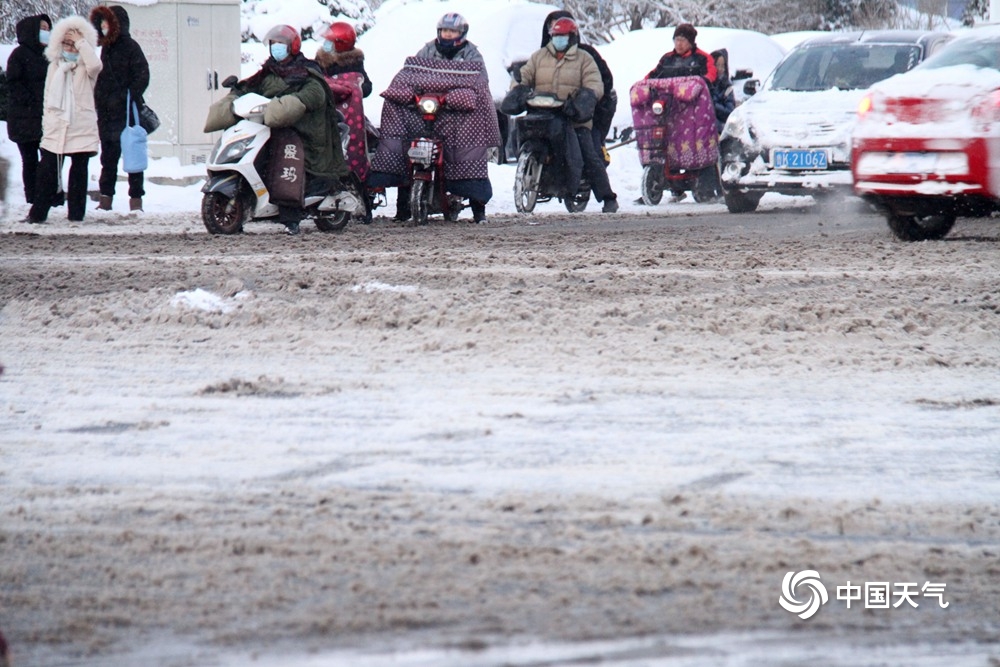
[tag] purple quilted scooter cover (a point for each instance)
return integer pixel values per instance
(684, 135)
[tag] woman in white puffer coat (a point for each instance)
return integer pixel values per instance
(69, 118)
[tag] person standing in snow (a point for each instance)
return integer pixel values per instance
(451, 43)
(69, 119)
(26, 70)
(125, 74)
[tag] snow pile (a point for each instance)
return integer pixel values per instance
(199, 299)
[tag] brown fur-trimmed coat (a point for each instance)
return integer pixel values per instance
(125, 69)
(334, 63)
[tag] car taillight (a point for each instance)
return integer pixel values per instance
(988, 109)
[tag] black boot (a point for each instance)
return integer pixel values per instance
(403, 212)
(478, 210)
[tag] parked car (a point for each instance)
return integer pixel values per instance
(925, 149)
(793, 136)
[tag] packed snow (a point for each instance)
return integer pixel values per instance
(666, 409)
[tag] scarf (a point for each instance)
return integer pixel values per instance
(62, 90)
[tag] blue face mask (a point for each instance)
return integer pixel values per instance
(328, 46)
(70, 57)
(279, 51)
(43, 36)
(560, 42)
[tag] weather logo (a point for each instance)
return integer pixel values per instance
(814, 588)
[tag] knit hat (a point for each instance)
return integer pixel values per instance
(687, 31)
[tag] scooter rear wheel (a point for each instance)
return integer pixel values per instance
(526, 182)
(578, 202)
(333, 223)
(224, 215)
(419, 206)
(652, 184)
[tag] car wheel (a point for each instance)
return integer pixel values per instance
(742, 202)
(921, 227)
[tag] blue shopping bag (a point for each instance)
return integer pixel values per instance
(135, 157)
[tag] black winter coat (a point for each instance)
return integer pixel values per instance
(125, 69)
(26, 69)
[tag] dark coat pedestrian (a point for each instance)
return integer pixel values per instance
(126, 72)
(26, 70)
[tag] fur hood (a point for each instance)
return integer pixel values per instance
(118, 22)
(53, 52)
(351, 58)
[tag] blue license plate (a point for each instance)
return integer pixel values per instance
(798, 159)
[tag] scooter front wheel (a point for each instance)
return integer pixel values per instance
(652, 184)
(419, 206)
(222, 214)
(526, 182)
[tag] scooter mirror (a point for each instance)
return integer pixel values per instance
(230, 81)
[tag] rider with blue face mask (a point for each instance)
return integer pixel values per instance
(339, 55)
(301, 100)
(563, 69)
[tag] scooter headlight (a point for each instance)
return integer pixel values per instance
(658, 107)
(429, 105)
(231, 153)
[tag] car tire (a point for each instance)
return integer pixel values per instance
(921, 227)
(742, 202)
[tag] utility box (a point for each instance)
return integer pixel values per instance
(191, 46)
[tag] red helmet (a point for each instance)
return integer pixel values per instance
(564, 26)
(285, 34)
(342, 35)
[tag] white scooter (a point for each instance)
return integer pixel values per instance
(236, 192)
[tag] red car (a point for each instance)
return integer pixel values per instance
(926, 148)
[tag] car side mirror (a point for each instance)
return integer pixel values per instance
(230, 81)
(750, 87)
(743, 74)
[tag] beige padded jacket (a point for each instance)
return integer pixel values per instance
(546, 73)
